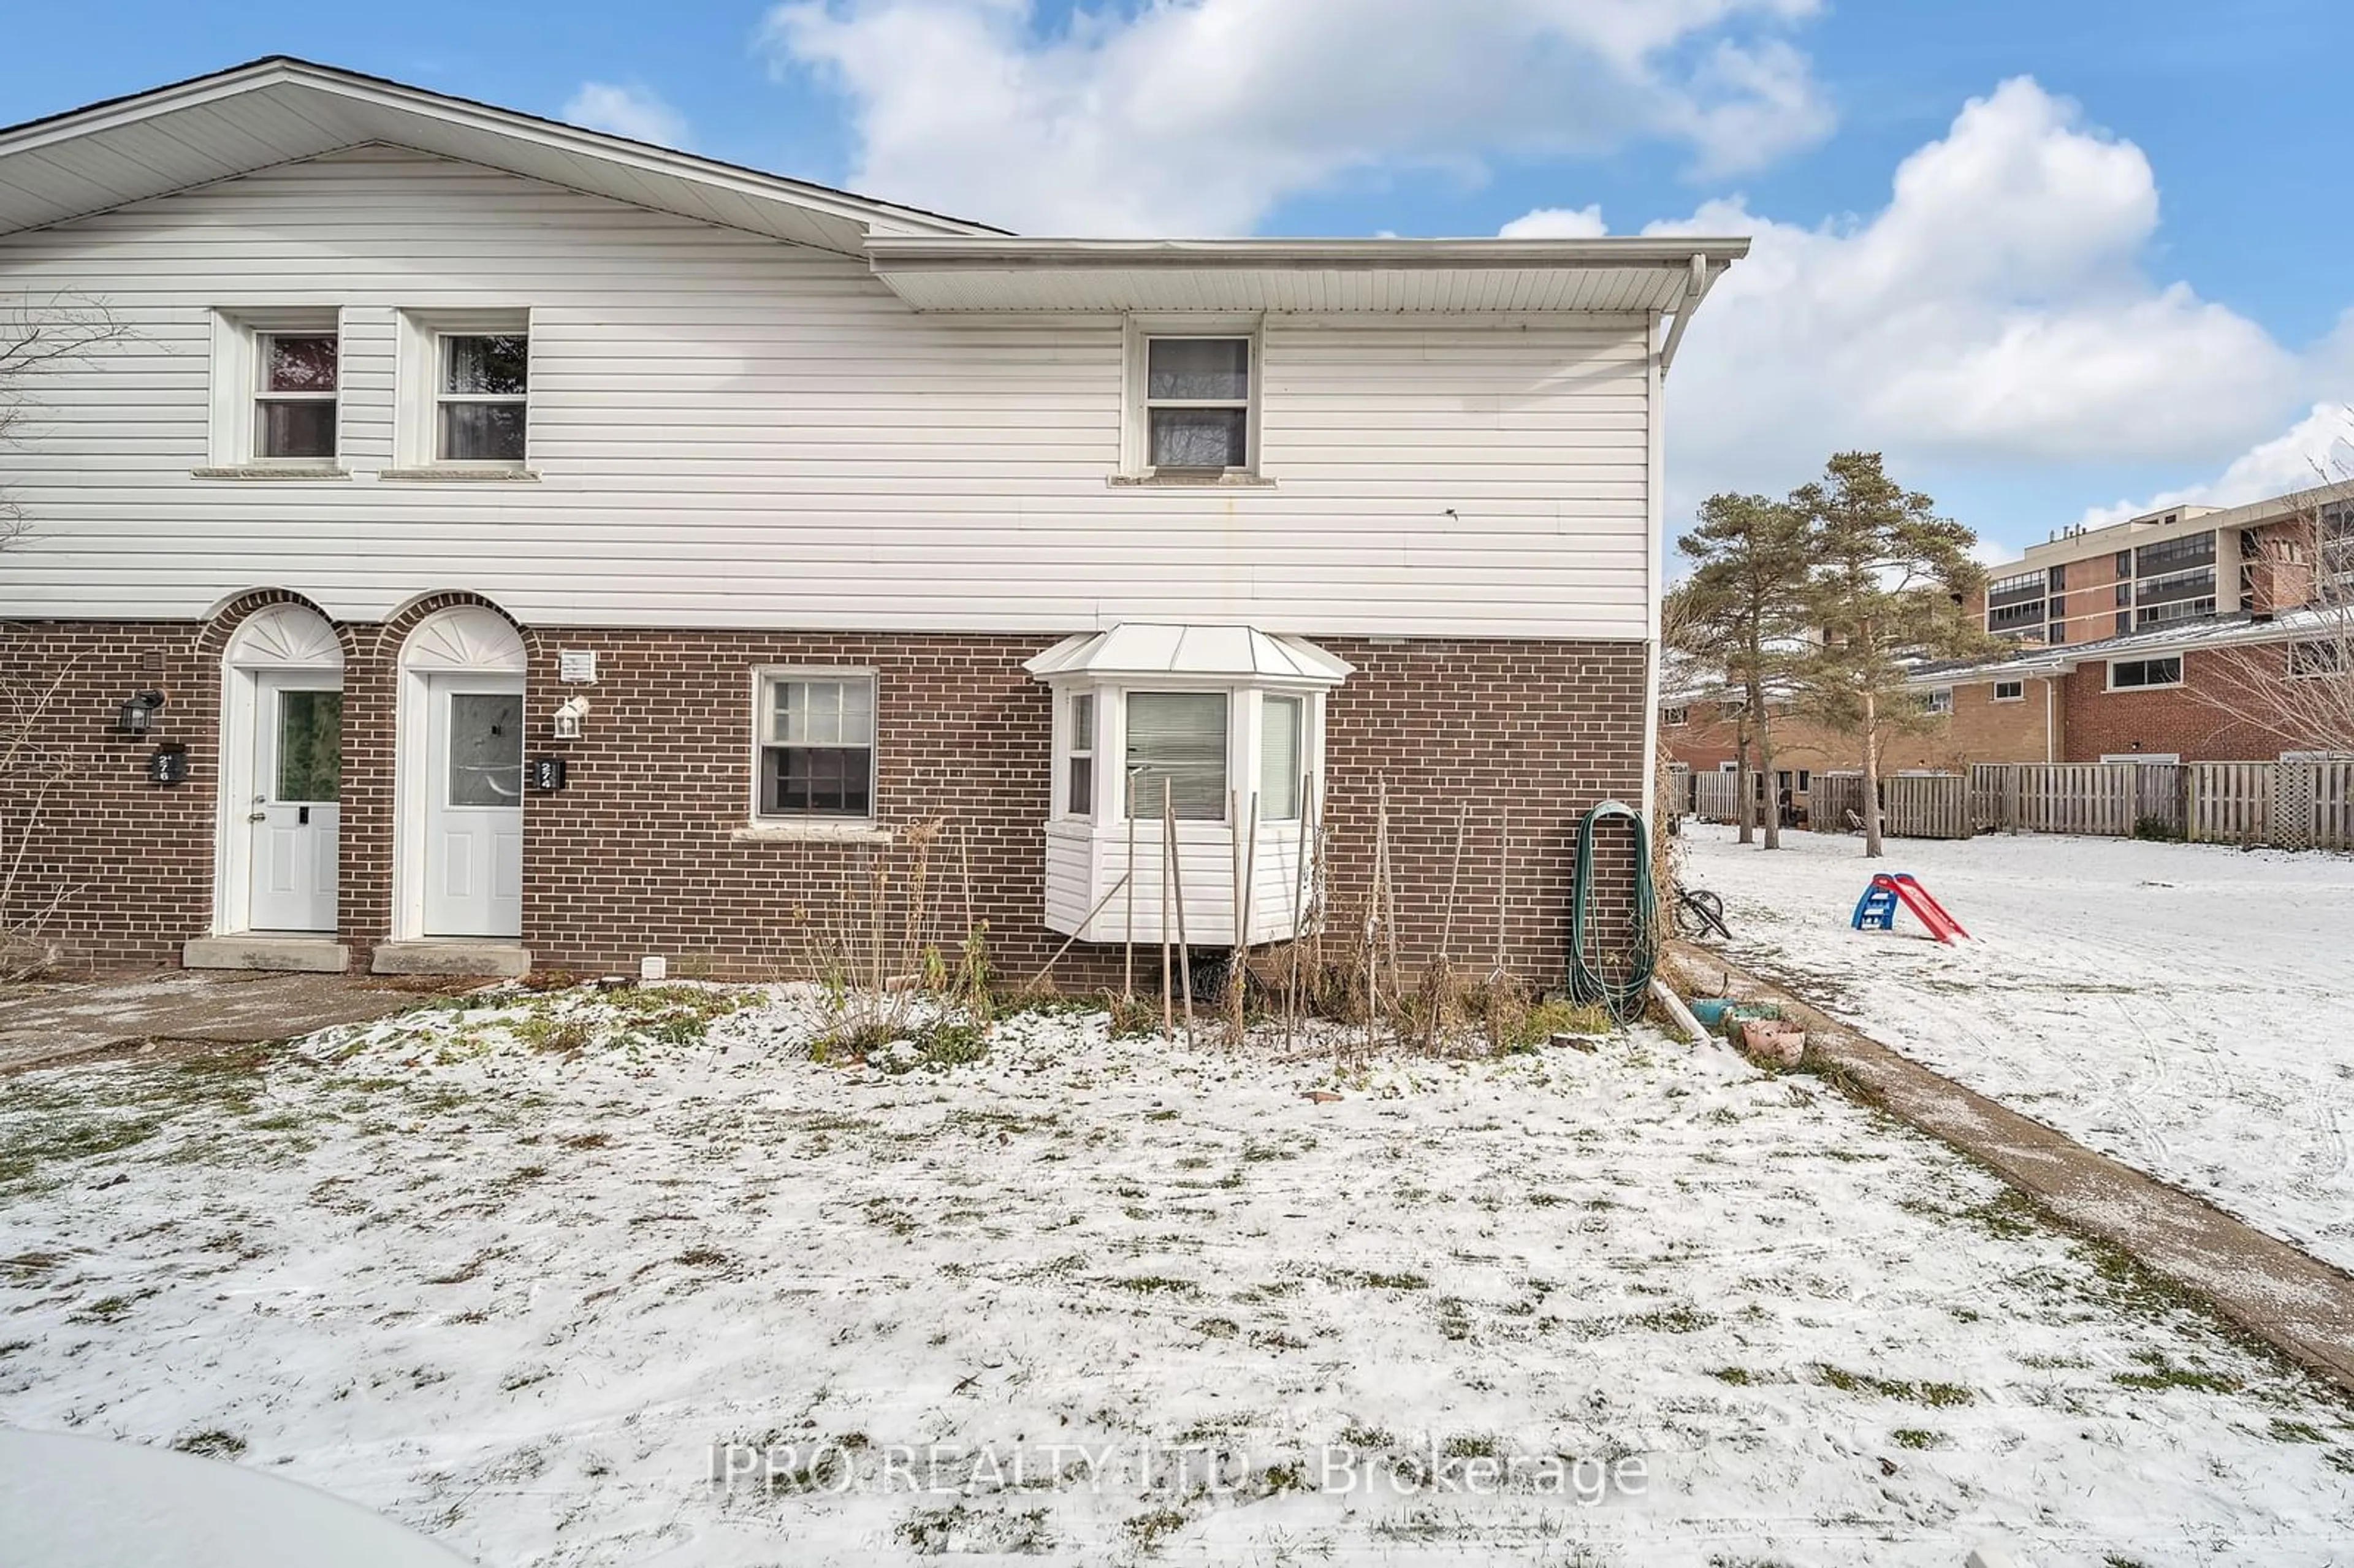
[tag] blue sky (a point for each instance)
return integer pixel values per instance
(2114, 276)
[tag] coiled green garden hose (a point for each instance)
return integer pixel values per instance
(1625, 995)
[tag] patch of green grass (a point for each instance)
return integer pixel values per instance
(2282, 1431)
(1393, 1281)
(211, 1444)
(1916, 1437)
(1472, 1446)
(1155, 1285)
(1367, 1438)
(1937, 1395)
(1673, 1320)
(1149, 1530)
(1737, 1376)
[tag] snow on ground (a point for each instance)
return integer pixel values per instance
(509, 1277)
(2181, 1007)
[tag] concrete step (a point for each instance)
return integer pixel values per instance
(307, 955)
(451, 956)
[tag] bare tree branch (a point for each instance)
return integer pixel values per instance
(41, 337)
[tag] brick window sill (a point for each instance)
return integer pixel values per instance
(813, 833)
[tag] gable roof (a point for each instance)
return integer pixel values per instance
(279, 109)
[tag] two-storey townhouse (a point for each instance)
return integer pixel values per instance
(482, 542)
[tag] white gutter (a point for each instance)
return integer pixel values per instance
(1703, 278)
(943, 252)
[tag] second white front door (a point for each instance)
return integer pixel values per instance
(298, 732)
(473, 806)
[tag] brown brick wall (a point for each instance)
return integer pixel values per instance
(2171, 719)
(118, 869)
(637, 856)
(1979, 729)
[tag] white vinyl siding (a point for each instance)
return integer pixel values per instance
(728, 431)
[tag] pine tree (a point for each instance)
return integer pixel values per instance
(1745, 600)
(1886, 589)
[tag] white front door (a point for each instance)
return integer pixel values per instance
(298, 732)
(473, 806)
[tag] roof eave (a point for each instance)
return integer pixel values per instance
(857, 213)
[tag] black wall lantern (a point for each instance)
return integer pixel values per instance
(137, 717)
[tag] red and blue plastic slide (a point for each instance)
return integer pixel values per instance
(1876, 910)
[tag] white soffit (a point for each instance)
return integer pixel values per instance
(1147, 650)
(279, 109)
(1450, 277)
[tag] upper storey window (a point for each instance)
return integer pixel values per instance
(1193, 413)
(482, 404)
(1197, 404)
(277, 381)
(466, 394)
(295, 405)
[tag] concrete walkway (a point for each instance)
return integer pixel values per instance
(2296, 1303)
(55, 1022)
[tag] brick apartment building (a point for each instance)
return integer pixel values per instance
(2136, 641)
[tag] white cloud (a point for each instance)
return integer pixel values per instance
(634, 111)
(2317, 449)
(1198, 116)
(1557, 223)
(1995, 310)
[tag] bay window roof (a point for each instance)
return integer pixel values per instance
(1145, 650)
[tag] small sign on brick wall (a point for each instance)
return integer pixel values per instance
(577, 666)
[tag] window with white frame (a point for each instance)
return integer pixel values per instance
(2009, 690)
(1939, 701)
(294, 403)
(1198, 398)
(277, 379)
(1079, 755)
(482, 398)
(2142, 674)
(1282, 757)
(816, 740)
(1177, 754)
(463, 382)
(1673, 717)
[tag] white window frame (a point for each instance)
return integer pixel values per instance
(2018, 692)
(1938, 700)
(1240, 711)
(765, 677)
(1675, 717)
(2151, 685)
(1303, 747)
(238, 363)
(1068, 751)
(1136, 423)
(416, 436)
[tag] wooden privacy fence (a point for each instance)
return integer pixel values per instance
(1925, 806)
(2289, 805)
(1716, 797)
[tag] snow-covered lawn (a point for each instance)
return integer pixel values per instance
(2182, 1007)
(511, 1282)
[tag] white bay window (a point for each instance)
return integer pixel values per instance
(1177, 744)
(1195, 733)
